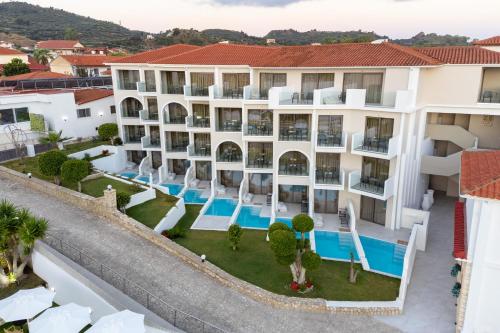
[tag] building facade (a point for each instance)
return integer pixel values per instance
(311, 127)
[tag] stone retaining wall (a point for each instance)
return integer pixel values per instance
(103, 207)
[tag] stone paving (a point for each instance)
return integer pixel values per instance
(174, 281)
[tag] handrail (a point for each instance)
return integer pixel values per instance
(173, 315)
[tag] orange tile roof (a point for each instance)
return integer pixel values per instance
(492, 41)
(150, 56)
(89, 60)
(35, 75)
(462, 54)
(88, 95)
(56, 44)
(6, 51)
(333, 55)
(480, 174)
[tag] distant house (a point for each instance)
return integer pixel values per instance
(492, 43)
(61, 47)
(6, 55)
(81, 65)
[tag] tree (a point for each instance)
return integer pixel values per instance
(54, 138)
(74, 171)
(234, 235)
(18, 232)
(42, 56)
(15, 67)
(50, 164)
(353, 274)
(70, 33)
(289, 250)
(108, 131)
(122, 200)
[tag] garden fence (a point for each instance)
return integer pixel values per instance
(174, 316)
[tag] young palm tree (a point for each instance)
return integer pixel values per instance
(42, 56)
(18, 232)
(54, 138)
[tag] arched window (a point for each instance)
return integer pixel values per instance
(294, 163)
(130, 107)
(175, 113)
(229, 152)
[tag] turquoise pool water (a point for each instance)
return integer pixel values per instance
(222, 207)
(335, 245)
(383, 256)
(144, 179)
(173, 189)
(288, 222)
(129, 175)
(194, 197)
(249, 218)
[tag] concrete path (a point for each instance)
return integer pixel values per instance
(174, 281)
(429, 306)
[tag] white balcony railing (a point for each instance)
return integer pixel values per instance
(370, 188)
(385, 149)
(146, 117)
(141, 87)
(331, 184)
(147, 143)
(326, 142)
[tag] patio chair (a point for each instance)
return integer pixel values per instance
(220, 189)
(487, 95)
(295, 98)
(281, 207)
(248, 198)
(318, 221)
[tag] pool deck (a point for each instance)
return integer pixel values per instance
(211, 222)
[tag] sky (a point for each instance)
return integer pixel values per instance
(395, 18)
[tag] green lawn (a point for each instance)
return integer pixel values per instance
(151, 212)
(254, 262)
(96, 187)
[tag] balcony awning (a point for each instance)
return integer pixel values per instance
(459, 248)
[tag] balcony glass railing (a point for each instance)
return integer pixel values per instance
(368, 184)
(198, 122)
(132, 139)
(177, 147)
(328, 176)
(295, 134)
(130, 113)
(262, 129)
(175, 120)
(259, 162)
(299, 99)
(175, 90)
(289, 168)
(198, 91)
(201, 151)
(374, 144)
(232, 93)
(329, 139)
(146, 115)
(229, 156)
(128, 85)
(230, 126)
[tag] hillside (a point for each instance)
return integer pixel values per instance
(422, 39)
(39, 23)
(293, 37)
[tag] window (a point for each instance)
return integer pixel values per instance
(372, 82)
(112, 108)
(6, 116)
(312, 81)
(173, 82)
(233, 84)
(83, 113)
(149, 77)
(22, 114)
(269, 80)
(128, 79)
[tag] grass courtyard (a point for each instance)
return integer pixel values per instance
(151, 212)
(96, 187)
(254, 262)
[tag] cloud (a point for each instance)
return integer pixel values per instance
(257, 3)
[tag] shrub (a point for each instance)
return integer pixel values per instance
(15, 67)
(234, 235)
(122, 200)
(50, 163)
(278, 226)
(108, 131)
(117, 141)
(175, 232)
(135, 188)
(74, 171)
(303, 223)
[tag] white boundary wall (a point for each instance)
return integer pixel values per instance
(173, 216)
(419, 220)
(115, 162)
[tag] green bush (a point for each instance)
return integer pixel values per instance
(15, 67)
(108, 131)
(117, 141)
(50, 163)
(234, 235)
(74, 171)
(311, 260)
(122, 200)
(278, 226)
(302, 223)
(175, 232)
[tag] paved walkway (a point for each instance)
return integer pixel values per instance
(429, 306)
(172, 279)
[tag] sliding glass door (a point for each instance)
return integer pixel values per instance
(261, 183)
(373, 210)
(312, 81)
(326, 201)
(269, 80)
(372, 82)
(203, 170)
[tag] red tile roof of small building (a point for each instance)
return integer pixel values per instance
(6, 51)
(459, 232)
(152, 55)
(89, 60)
(35, 66)
(34, 76)
(492, 41)
(480, 174)
(462, 54)
(88, 95)
(333, 55)
(56, 44)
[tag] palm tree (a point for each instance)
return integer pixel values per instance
(54, 138)
(18, 232)
(42, 56)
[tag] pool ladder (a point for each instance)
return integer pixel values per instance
(399, 253)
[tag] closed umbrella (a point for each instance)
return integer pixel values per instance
(25, 304)
(121, 322)
(69, 318)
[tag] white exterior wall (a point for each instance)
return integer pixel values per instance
(6, 58)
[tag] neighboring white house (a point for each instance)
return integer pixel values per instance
(492, 43)
(477, 249)
(6, 55)
(77, 113)
(57, 47)
(82, 65)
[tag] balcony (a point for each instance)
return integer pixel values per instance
(148, 118)
(175, 90)
(199, 152)
(174, 120)
(375, 147)
(370, 186)
(132, 139)
(198, 93)
(331, 142)
(176, 147)
(295, 134)
(144, 89)
(293, 169)
(253, 130)
(195, 122)
(490, 87)
(230, 126)
(229, 156)
(217, 92)
(254, 94)
(259, 161)
(150, 143)
(329, 179)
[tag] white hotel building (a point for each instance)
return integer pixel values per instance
(310, 128)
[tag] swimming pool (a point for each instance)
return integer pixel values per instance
(335, 245)
(249, 217)
(144, 179)
(129, 175)
(173, 189)
(193, 196)
(222, 207)
(288, 222)
(383, 256)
